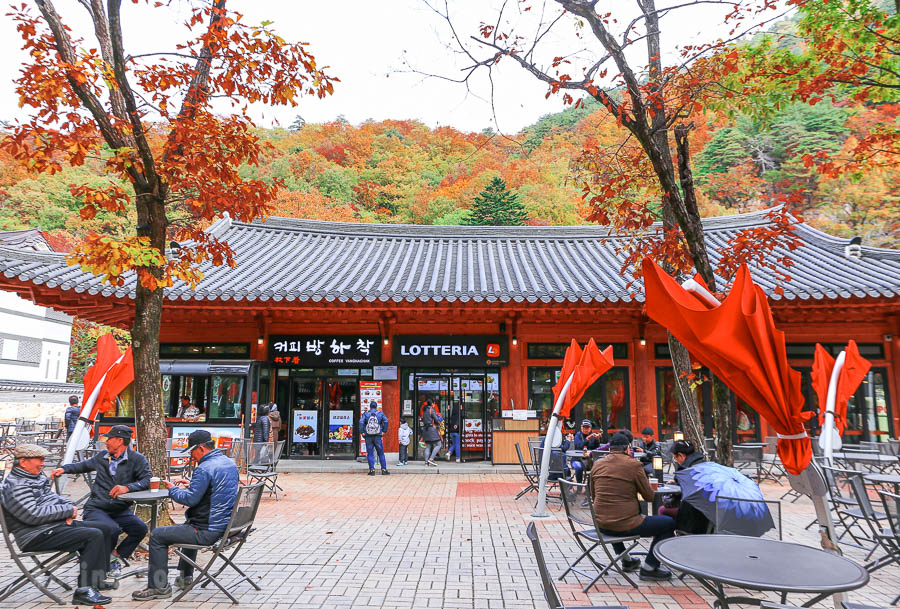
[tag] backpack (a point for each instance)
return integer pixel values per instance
(373, 426)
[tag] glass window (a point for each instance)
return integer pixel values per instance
(540, 392)
(211, 351)
(746, 422)
(558, 350)
(192, 401)
(227, 396)
(605, 402)
(125, 402)
(807, 350)
(869, 410)
(667, 409)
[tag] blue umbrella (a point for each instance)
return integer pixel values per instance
(703, 483)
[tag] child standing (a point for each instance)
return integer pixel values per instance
(403, 434)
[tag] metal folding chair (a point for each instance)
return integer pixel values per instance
(879, 537)
(556, 470)
(891, 503)
(550, 593)
(531, 477)
(45, 563)
(605, 542)
(262, 467)
(749, 461)
(236, 533)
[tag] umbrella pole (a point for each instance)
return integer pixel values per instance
(548, 448)
(828, 435)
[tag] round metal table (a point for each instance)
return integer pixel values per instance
(760, 564)
(151, 498)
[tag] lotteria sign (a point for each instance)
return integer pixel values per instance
(451, 351)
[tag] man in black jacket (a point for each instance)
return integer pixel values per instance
(119, 470)
(40, 520)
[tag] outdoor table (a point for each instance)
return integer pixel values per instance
(147, 498)
(760, 564)
(663, 490)
(881, 462)
(892, 479)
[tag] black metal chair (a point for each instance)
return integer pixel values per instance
(233, 539)
(550, 593)
(46, 563)
(531, 477)
(606, 542)
(749, 461)
(891, 503)
(578, 515)
(862, 516)
(263, 464)
(555, 472)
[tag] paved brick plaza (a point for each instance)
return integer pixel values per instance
(411, 541)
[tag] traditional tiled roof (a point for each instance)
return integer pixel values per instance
(27, 239)
(286, 259)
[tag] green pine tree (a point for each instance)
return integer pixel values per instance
(497, 206)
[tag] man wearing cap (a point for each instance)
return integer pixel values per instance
(40, 520)
(586, 439)
(210, 498)
(119, 470)
(615, 483)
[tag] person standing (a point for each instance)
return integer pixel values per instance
(71, 416)
(403, 434)
(210, 496)
(274, 422)
(431, 434)
(119, 470)
(374, 424)
(40, 520)
(616, 482)
(453, 426)
(262, 425)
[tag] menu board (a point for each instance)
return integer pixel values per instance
(222, 436)
(340, 426)
(370, 391)
(473, 434)
(305, 427)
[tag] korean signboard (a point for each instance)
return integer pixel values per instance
(306, 425)
(452, 351)
(346, 351)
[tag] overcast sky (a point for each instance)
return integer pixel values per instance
(367, 44)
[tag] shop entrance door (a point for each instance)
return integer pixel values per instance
(445, 390)
(469, 392)
(324, 418)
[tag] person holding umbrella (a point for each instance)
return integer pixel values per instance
(615, 484)
(688, 518)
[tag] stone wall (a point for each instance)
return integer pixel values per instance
(40, 407)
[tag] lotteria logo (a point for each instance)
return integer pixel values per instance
(442, 350)
(493, 350)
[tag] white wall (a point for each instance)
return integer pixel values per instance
(34, 341)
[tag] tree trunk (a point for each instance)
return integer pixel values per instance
(149, 417)
(691, 419)
(724, 422)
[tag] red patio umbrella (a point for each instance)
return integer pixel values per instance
(737, 340)
(851, 375)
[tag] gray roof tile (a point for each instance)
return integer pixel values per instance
(290, 260)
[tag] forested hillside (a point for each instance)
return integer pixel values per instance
(404, 172)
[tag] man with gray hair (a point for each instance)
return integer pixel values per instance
(40, 520)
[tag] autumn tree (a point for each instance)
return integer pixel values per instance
(497, 206)
(172, 129)
(655, 101)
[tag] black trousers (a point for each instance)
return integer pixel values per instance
(112, 524)
(90, 543)
(163, 537)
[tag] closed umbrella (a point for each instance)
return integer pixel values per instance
(737, 340)
(705, 482)
(851, 370)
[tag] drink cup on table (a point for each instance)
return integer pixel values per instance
(654, 485)
(154, 484)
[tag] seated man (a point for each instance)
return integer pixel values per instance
(615, 483)
(651, 449)
(210, 499)
(40, 520)
(586, 439)
(119, 470)
(687, 518)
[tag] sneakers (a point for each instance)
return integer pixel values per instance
(630, 565)
(448, 456)
(658, 574)
(115, 568)
(89, 596)
(371, 472)
(150, 594)
(183, 582)
(400, 463)
(385, 472)
(431, 463)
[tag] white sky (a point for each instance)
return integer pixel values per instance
(365, 43)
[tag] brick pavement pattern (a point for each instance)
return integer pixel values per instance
(423, 541)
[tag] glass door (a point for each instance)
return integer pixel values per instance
(305, 423)
(469, 391)
(342, 398)
(869, 410)
(434, 388)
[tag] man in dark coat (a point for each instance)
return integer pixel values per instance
(40, 520)
(651, 449)
(71, 416)
(119, 470)
(372, 430)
